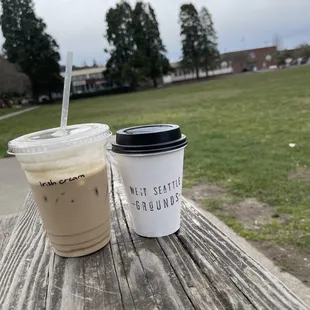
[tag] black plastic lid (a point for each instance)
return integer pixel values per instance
(149, 139)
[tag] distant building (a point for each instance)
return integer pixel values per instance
(252, 59)
(91, 79)
(87, 80)
(233, 62)
(181, 73)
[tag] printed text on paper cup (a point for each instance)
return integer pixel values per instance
(163, 196)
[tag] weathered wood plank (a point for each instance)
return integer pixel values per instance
(200, 296)
(223, 287)
(83, 283)
(7, 224)
(146, 266)
(194, 282)
(197, 268)
(88, 282)
(259, 287)
(24, 264)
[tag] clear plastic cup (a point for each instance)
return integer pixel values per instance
(151, 164)
(68, 178)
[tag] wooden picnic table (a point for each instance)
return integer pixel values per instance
(198, 267)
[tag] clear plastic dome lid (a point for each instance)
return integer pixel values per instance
(50, 140)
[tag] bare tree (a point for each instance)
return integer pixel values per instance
(12, 81)
(303, 51)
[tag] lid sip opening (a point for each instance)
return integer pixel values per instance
(148, 139)
(46, 140)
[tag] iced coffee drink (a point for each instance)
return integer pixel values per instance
(72, 203)
(70, 186)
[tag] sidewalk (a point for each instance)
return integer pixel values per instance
(13, 186)
(17, 113)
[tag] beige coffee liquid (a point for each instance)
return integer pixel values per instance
(75, 212)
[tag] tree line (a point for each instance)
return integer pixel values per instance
(12, 81)
(137, 53)
(302, 51)
(29, 46)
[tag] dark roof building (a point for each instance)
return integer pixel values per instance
(249, 60)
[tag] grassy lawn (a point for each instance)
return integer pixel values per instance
(239, 130)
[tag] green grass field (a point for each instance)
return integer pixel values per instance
(238, 128)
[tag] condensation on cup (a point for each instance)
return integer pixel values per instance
(150, 159)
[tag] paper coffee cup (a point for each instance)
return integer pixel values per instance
(151, 164)
(68, 178)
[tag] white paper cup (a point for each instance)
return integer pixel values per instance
(152, 175)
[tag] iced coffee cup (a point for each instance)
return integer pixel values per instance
(150, 159)
(68, 178)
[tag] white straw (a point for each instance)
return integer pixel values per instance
(66, 93)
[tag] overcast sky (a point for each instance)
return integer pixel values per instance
(79, 25)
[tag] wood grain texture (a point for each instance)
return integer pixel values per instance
(207, 244)
(24, 264)
(7, 224)
(196, 268)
